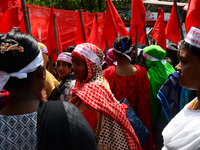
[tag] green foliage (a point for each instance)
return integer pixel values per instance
(87, 5)
(123, 6)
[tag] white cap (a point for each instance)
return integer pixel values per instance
(193, 37)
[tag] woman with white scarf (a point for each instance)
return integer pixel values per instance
(183, 132)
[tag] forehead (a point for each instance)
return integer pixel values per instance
(61, 62)
(185, 53)
(76, 59)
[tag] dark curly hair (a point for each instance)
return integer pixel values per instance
(117, 44)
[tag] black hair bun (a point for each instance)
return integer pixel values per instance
(122, 43)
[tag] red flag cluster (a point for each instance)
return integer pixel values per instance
(53, 46)
(113, 25)
(81, 32)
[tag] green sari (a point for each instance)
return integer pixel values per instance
(158, 73)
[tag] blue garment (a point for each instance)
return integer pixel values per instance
(173, 97)
(186, 96)
(169, 96)
(140, 130)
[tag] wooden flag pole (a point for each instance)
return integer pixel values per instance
(146, 39)
(144, 23)
(29, 21)
(97, 18)
(25, 17)
(177, 13)
(56, 33)
(83, 31)
(136, 48)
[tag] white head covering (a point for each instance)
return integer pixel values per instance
(193, 37)
(89, 54)
(4, 76)
(65, 56)
(124, 53)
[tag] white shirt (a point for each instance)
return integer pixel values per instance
(183, 131)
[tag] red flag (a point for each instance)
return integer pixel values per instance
(51, 41)
(113, 24)
(79, 33)
(9, 20)
(173, 28)
(8, 4)
(158, 32)
(193, 17)
(94, 36)
(9, 17)
(22, 24)
(137, 21)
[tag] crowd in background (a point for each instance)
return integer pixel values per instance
(99, 100)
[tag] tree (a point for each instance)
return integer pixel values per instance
(87, 5)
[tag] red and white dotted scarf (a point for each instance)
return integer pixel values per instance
(92, 92)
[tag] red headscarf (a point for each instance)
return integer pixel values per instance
(94, 94)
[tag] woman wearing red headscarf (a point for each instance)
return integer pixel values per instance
(92, 96)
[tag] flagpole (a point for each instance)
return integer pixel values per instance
(56, 33)
(146, 39)
(83, 31)
(25, 16)
(136, 48)
(29, 20)
(97, 18)
(177, 13)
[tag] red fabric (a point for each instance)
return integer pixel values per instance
(22, 25)
(193, 17)
(92, 117)
(113, 24)
(8, 4)
(94, 36)
(39, 19)
(173, 28)
(137, 21)
(4, 98)
(137, 92)
(79, 34)
(9, 20)
(99, 98)
(158, 32)
(51, 43)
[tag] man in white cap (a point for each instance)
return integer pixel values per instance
(183, 130)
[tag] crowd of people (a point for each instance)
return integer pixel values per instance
(99, 100)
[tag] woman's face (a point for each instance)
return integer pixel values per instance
(189, 69)
(62, 68)
(80, 69)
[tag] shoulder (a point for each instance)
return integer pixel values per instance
(70, 108)
(140, 68)
(141, 71)
(51, 77)
(110, 70)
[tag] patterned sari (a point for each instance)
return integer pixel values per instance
(106, 116)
